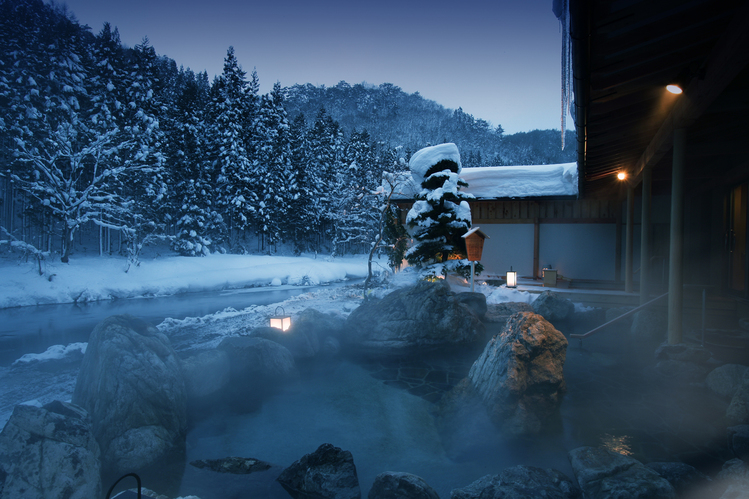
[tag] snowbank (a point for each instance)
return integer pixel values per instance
(103, 278)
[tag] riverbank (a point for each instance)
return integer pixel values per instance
(94, 278)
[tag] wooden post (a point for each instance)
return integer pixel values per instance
(536, 242)
(629, 255)
(647, 207)
(676, 250)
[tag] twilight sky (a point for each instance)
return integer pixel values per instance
(497, 59)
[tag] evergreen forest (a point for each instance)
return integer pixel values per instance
(109, 148)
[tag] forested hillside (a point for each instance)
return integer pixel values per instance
(397, 118)
(110, 146)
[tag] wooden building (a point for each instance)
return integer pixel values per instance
(685, 155)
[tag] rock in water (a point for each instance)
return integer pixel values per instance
(520, 374)
(552, 307)
(49, 451)
(394, 485)
(327, 473)
(603, 473)
(520, 481)
(131, 384)
(424, 316)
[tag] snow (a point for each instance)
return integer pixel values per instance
(55, 352)
(525, 181)
(423, 159)
(103, 278)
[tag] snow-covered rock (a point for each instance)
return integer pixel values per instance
(131, 384)
(327, 473)
(520, 374)
(49, 451)
(421, 317)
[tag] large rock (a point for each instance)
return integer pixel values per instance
(650, 324)
(476, 302)
(520, 482)
(301, 345)
(49, 451)
(735, 477)
(738, 441)
(131, 384)
(500, 313)
(738, 410)
(602, 473)
(726, 379)
(206, 375)
(685, 479)
(327, 473)
(394, 485)
(553, 307)
(419, 317)
(520, 374)
(258, 368)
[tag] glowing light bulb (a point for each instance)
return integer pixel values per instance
(621, 175)
(674, 88)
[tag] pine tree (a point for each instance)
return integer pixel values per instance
(196, 220)
(441, 214)
(272, 166)
(232, 109)
(303, 219)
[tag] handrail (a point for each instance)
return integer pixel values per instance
(616, 319)
(137, 479)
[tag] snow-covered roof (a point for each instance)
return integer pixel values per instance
(527, 181)
(423, 159)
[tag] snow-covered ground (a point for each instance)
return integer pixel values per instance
(38, 378)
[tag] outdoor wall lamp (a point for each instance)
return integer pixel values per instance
(512, 278)
(621, 175)
(282, 321)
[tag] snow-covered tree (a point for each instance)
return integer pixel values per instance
(233, 107)
(303, 219)
(195, 216)
(272, 166)
(441, 214)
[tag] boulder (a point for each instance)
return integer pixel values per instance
(680, 370)
(726, 379)
(464, 424)
(327, 473)
(393, 485)
(602, 473)
(476, 302)
(623, 325)
(738, 441)
(738, 410)
(258, 368)
(650, 324)
(552, 307)
(301, 345)
(416, 318)
(131, 384)
(500, 312)
(206, 373)
(312, 322)
(683, 353)
(520, 482)
(520, 374)
(685, 479)
(49, 451)
(735, 477)
(233, 465)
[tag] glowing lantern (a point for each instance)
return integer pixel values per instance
(512, 278)
(282, 321)
(674, 88)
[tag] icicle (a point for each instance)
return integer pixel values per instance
(564, 20)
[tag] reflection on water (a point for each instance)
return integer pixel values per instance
(616, 444)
